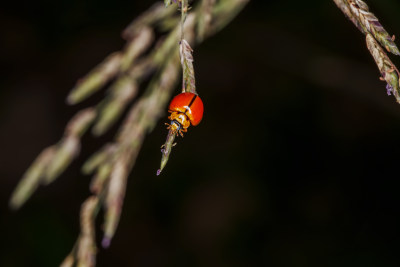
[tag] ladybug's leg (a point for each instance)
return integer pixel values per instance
(183, 130)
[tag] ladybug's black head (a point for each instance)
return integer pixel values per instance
(177, 123)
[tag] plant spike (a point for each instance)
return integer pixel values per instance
(372, 25)
(54, 159)
(389, 72)
(32, 178)
(204, 21)
(184, 4)
(115, 197)
(166, 149)
(188, 79)
(377, 38)
(121, 94)
(95, 80)
(86, 251)
(167, 2)
(125, 71)
(344, 6)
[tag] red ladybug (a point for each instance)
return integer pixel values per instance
(186, 109)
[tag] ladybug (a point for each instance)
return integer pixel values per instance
(186, 109)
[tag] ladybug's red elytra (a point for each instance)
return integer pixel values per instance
(186, 109)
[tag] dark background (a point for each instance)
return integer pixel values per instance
(294, 164)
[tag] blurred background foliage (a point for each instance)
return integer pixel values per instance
(294, 163)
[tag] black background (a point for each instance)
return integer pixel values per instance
(294, 164)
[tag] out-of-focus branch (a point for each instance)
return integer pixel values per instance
(54, 159)
(125, 71)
